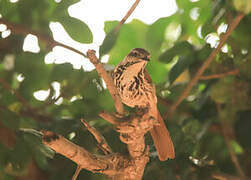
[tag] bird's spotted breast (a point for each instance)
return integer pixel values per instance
(135, 91)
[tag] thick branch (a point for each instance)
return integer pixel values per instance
(22, 30)
(207, 62)
(108, 80)
(116, 166)
(78, 154)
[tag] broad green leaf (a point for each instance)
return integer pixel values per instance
(77, 29)
(108, 42)
(182, 64)
(156, 32)
(110, 25)
(180, 49)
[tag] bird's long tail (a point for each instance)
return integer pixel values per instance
(162, 140)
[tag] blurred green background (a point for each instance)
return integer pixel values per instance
(178, 44)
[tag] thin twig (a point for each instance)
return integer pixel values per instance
(75, 176)
(135, 4)
(108, 80)
(223, 176)
(207, 62)
(22, 30)
(221, 75)
(229, 146)
(11, 90)
(99, 138)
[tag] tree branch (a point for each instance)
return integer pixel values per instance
(221, 75)
(207, 62)
(229, 146)
(116, 166)
(99, 138)
(22, 30)
(108, 80)
(135, 4)
(79, 168)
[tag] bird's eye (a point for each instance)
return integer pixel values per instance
(135, 53)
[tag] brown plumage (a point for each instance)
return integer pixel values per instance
(136, 89)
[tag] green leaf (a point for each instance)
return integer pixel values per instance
(61, 72)
(110, 25)
(77, 29)
(108, 42)
(207, 28)
(33, 139)
(62, 7)
(180, 49)
(156, 32)
(180, 66)
(31, 131)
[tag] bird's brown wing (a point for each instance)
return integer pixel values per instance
(160, 134)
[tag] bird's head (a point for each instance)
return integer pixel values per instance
(139, 54)
(136, 59)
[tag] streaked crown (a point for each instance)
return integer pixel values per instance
(139, 53)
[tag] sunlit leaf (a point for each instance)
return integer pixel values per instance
(77, 29)
(108, 42)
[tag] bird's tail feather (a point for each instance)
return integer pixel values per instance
(162, 140)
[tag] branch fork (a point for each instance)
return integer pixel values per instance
(116, 166)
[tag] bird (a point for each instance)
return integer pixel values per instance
(136, 90)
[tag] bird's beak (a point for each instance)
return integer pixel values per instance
(147, 58)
